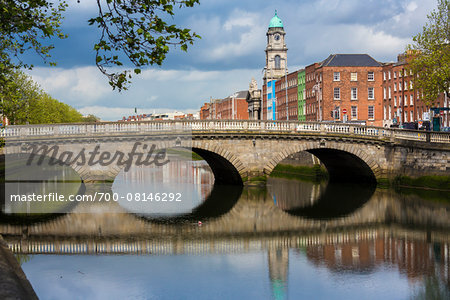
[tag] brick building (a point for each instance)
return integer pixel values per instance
(313, 93)
(287, 85)
(351, 83)
(204, 111)
(401, 100)
(233, 107)
(301, 95)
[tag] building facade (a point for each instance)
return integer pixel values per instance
(301, 95)
(276, 66)
(351, 89)
(287, 86)
(313, 94)
(233, 107)
(402, 102)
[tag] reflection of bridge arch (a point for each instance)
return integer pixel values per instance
(343, 161)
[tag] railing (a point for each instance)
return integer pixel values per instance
(147, 127)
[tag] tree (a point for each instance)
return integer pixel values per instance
(16, 96)
(27, 25)
(24, 102)
(429, 55)
(134, 30)
(90, 119)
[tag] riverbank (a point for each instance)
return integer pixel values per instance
(315, 173)
(319, 173)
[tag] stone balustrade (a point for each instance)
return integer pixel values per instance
(249, 126)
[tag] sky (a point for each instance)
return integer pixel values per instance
(230, 52)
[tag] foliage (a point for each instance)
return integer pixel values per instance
(430, 55)
(23, 101)
(26, 25)
(134, 30)
(90, 119)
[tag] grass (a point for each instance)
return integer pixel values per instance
(432, 182)
(315, 173)
(184, 153)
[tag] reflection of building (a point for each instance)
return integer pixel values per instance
(177, 171)
(413, 258)
(278, 271)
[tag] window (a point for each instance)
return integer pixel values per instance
(395, 101)
(395, 87)
(406, 85)
(411, 116)
(410, 72)
(400, 74)
(406, 116)
(405, 103)
(371, 113)
(395, 74)
(354, 76)
(411, 100)
(337, 93)
(384, 93)
(354, 112)
(384, 113)
(399, 86)
(389, 73)
(389, 94)
(411, 85)
(384, 75)
(370, 76)
(337, 111)
(354, 93)
(370, 93)
(277, 62)
(336, 76)
(390, 112)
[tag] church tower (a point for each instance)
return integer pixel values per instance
(276, 50)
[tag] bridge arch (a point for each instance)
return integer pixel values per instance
(226, 166)
(343, 162)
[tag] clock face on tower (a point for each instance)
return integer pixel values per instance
(277, 37)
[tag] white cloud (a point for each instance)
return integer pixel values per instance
(239, 35)
(161, 90)
(116, 113)
(356, 39)
(84, 83)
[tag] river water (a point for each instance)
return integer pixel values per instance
(294, 239)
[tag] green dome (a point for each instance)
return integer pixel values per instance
(276, 21)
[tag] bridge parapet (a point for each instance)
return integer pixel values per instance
(244, 126)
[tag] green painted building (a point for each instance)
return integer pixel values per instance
(301, 95)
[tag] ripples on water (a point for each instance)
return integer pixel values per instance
(292, 240)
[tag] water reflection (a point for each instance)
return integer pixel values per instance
(319, 200)
(32, 189)
(309, 241)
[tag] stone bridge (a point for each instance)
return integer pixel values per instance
(239, 151)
